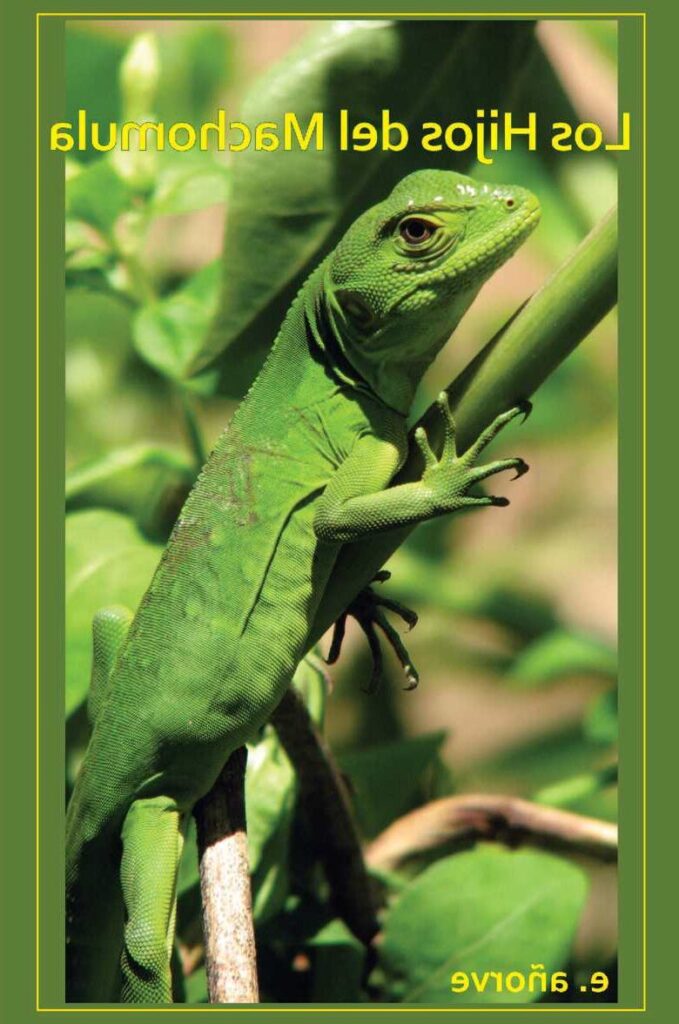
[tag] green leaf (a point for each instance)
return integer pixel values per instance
(186, 185)
(97, 195)
(107, 562)
(169, 332)
(486, 910)
(288, 207)
(270, 795)
(563, 653)
(146, 481)
(386, 778)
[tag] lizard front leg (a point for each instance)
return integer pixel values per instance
(358, 500)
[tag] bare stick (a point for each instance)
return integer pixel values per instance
(230, 953)
(462, 820)
(327, 804)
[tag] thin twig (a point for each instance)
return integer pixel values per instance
(193, 431)
(460, 821)
(230, 953)
(327, 804)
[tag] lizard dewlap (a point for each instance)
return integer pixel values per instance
(242, 588)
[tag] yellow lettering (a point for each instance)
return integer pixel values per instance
(61, 138)
(624, 143)
(265, 136)
(218, 126)
(291, 127)
(181, 126)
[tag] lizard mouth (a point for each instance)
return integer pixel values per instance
(499, 246)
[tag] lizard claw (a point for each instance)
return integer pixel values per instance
(368, 609)
(525, 407)
(522, 468)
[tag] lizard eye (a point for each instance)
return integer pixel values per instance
(416, 230)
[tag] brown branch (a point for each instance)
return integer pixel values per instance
(327, 804)
(460, 821)
(230, 953)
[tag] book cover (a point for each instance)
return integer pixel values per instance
(334, 484)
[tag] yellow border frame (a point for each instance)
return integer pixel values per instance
(273, 15)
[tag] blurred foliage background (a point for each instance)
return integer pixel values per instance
(185, 262)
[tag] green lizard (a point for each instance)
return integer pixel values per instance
(303, 468)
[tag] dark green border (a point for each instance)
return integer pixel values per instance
(17, 509)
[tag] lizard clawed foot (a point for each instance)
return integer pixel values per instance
(368, 608)
(453, 474)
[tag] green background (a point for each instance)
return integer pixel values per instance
(18, 411)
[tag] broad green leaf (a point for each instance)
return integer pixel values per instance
(386, 778)
(167, 333)
(289, 206)
(97, 195)
(107, 562)
(563, 653)
(146, 481)
(270, 795)
(489, 909)
(185, 184)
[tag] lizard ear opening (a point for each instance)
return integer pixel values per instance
(355, 309)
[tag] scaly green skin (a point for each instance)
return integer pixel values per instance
(303, 468)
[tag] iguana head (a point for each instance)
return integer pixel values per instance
(406, 271)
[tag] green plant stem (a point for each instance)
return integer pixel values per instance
(193, 431)
(541, 335)
(512, 366)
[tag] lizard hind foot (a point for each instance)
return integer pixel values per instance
(368, 609)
